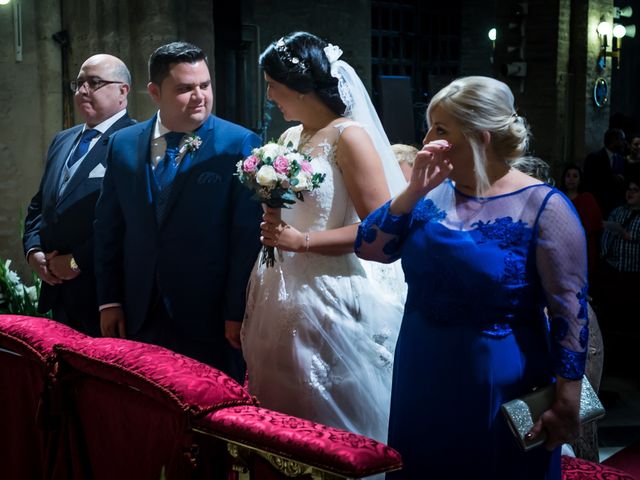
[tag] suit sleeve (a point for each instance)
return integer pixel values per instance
(244, 240)
(109, 237)
(33, 220)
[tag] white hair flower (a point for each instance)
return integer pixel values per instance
(333, 52)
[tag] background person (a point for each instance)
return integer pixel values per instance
(58, 228)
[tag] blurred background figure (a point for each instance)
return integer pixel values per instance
(603, 171)
(632, 160)
(405, 154)
(590, 215)
(534, 167)
(620, 252)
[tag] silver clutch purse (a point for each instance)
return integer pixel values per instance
(521, 413)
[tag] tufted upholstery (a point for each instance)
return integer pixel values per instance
(331, 449)
(579, 469)
(30, 417)
(166, 376)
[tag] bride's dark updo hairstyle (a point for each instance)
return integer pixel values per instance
(298, 61)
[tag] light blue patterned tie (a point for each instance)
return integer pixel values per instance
(166, 170)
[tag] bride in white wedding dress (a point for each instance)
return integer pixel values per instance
(321, 324)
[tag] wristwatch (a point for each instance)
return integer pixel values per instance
(73, 265)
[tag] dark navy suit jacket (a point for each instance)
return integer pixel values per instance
(200, 257)
(603, 181)
(66, 223)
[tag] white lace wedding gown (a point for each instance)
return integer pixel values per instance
(319, 331)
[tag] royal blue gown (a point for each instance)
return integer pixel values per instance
(475, 334)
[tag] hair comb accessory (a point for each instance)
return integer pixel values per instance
(285, 54)
(333, 52)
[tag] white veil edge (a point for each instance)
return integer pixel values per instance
(361, 110)
(387, 279)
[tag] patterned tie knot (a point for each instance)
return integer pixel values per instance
(83, 145)
(89, 135)
(173, 140)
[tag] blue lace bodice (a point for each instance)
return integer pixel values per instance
(494, 262)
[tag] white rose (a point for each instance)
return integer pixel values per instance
(295, 156)
(272, 150)
(303, 182)
(266, 176)
(32, 293)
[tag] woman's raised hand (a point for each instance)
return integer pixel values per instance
(277, 233)
(430, 167)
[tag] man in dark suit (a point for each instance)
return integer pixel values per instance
(176, 232)
(58, 231)
(603, 172)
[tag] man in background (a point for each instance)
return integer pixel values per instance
(58, 229)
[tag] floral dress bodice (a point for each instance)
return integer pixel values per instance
(328, 206)
(492, 262)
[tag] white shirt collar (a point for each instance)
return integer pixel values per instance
(106, 125)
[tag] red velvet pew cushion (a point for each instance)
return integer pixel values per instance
(331, 449)
(35, 336)
(579, 469)
(182, 382)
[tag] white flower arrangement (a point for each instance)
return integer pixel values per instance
(277, 174)
(191, 144)
(15, 297)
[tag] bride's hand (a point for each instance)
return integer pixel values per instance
(277, 233)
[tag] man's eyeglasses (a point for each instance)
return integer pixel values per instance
(93, 83)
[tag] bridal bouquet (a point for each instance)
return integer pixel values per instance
(277, 174)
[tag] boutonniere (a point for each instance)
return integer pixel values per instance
(192, 143)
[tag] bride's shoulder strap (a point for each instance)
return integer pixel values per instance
(291, 134)
(342, 126)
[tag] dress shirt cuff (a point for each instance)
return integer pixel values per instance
(109, 305)
(30, 251)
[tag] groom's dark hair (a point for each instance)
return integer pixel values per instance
(176, 52)
(298, 61)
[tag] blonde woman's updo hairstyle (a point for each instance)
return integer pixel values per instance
(484, 104)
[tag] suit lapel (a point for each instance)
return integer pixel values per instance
(190, 160)
(56, 169)
(97, 155)
(142, 181)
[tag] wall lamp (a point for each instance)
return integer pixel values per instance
(613, 33)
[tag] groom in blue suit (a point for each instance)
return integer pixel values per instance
(176, 232)
(58, 228)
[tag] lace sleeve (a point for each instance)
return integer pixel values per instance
(561, 256)
(381, 234)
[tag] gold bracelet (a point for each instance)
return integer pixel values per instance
(306, 243)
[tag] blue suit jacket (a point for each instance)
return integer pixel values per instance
(66, 223)
(202, 254)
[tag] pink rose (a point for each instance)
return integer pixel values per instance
(281, 165)
(306, 167)
(250, 164)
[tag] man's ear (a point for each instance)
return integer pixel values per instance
(485, 137)
(154, 91)
(124, 90)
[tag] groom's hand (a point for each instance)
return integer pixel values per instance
(112, 322)
(232, 333)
